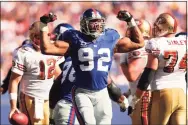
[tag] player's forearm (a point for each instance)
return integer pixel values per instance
(13, 88)
(45, 43)
(148, 74)
(126, 45)
(136, 35)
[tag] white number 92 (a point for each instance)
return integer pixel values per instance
(89, 57)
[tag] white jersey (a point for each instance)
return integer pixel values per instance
(126, 57)
(37, 71)
(172, 56)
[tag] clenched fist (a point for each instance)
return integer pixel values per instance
(124, 15)
(47, 18)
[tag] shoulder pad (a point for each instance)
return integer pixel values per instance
(113, 32)
(153, 46)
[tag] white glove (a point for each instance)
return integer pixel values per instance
(133, 100)
(124, 105)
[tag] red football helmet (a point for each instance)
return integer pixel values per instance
(144, 27)
(19, 119)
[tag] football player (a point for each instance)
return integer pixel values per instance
(165, 70)
(35, 73)
(60, 93)
(91, 51)
(133, 64)
(4, 87)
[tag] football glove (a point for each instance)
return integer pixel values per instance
(124, 105)
(47, 18)
(124, 16)
(133, 100)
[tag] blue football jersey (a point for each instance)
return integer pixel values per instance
(67, 80)
(91, 58)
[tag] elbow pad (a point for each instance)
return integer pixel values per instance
(146, 78)
(114, 92)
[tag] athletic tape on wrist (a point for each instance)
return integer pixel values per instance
(43, 27)
(126, 102)
(13, 96)
(132, 23)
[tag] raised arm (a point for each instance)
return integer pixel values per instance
(47, 46)
(148, 74)
(126, 44)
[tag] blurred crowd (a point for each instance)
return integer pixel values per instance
(16, 18)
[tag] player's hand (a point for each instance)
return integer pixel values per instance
(124, 105)
(127, 93)
(47, 18)
(124, 16)
(12, 111)
(133, 100)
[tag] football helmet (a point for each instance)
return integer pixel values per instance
(61, 28)
(34, 33)
(144, 27)
(165, 24)
(92, 23)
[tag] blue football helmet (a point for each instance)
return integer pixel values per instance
(92, 23)
(61, 28)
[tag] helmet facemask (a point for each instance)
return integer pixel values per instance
(93, 27)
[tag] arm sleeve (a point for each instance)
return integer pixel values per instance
(123, 58)
(60, 59)
(153, 46)
(18, 65)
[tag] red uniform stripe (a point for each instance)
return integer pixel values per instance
(72, 116)
(95, 12)
(145, 108)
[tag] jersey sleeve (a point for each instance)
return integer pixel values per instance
(116, 35)
(59, 60)
(153, 47)
(18, 65)
(66, 36)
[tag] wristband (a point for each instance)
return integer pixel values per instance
(13, 96)
(132, 23)
(43, 27)
(126, 102)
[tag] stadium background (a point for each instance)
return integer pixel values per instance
(17, 16)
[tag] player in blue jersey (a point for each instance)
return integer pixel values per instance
(91, 50)
(64, 112)
(60, 93)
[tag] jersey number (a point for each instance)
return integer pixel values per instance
(87, 55)
(50, 69)
(66, 68)
(172, 57)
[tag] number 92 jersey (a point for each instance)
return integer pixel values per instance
(172, 56)
(91, 58)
